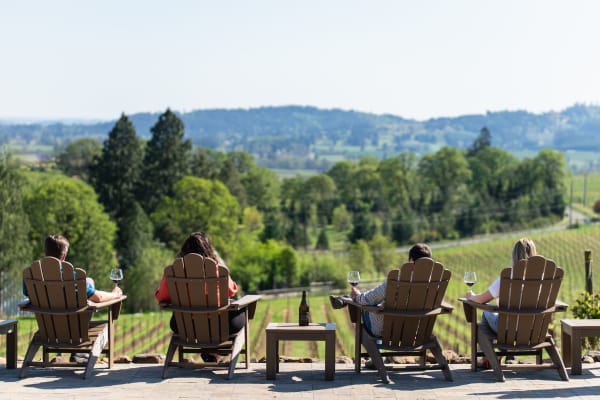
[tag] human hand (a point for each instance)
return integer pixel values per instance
(470, 294)
(354, 293)
(117, 291)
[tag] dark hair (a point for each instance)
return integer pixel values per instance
(419, 250)
(200, 243)
(56, 246)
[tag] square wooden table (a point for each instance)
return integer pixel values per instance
(277, 331)
(572, 331)
(8, 327)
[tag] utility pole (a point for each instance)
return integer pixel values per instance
(571, 206)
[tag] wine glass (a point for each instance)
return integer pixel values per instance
(470, 278)
(353, 277)
(116, 275)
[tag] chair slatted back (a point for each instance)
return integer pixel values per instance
(58, 292)
(418, 286)
(530, 287)
(200, 284)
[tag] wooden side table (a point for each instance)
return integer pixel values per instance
(8, 327)
(572, 331)
(291, 331)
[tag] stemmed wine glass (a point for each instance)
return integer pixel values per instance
(116, 275)
(470, 278)
(353, 277)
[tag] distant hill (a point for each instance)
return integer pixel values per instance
(297, 137)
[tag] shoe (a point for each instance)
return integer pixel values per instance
(208, 358)
(336, 302)
(79, 357)
(369, 364)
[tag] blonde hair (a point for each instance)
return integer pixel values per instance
(523, 249)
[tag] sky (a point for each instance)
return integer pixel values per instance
(416, 59)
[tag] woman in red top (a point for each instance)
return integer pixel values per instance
(200, 243)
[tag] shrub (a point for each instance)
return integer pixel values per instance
(587, 306)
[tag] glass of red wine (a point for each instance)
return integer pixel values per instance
(116, 275)
(470, 278)
(353, 277)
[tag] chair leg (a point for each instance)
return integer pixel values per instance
(235, 352)
(169, 356)
(485, 337)
(557, 360)
(31, 350)
(97, 347)
(441, 360)
(369, 344)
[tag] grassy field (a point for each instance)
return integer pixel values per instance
(149, 332)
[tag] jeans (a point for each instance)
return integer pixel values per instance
(492, 320)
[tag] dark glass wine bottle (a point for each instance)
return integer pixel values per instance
(303, 311)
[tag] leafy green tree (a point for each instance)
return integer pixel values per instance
(360, 258)
(207, 163)
(67, 206)
(384, 253)
(142, 278)
(364, 226)
(341, 219)
(166, 161)
(197, 205)
(137, 233)
(78, 158)
(15, 247)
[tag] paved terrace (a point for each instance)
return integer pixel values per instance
(295, 381)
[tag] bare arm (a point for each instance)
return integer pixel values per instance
(480, 298)
(99, 296)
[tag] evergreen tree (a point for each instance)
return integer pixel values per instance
(115, 177)
(166, 161)
(322, 241)
(117, 171)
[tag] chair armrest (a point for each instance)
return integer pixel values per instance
(98, 306)
(560, 306)
(24, 304)
(248, 301)
(446, 307)
(481, 306)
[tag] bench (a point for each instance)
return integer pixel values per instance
(8, 327)
(573, 330)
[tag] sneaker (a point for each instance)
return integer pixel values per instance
(79, 357)
(336, 302)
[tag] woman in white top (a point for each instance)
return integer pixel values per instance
(523, 249)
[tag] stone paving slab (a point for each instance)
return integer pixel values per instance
(296, 381)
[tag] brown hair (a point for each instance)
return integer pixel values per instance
(56, 246)
(419, 250)
(198, 242)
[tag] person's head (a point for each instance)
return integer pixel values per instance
(198, 242)
(523, 249)
(419, 250)
(56, 246)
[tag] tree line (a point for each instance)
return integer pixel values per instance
(132, 202)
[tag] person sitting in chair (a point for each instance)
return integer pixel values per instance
(374, 321)
(57, 246)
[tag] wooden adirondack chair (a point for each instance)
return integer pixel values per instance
(414, 299)
(200, 302)
(57, 296)
(526, 304)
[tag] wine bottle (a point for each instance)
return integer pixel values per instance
(303, 311)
